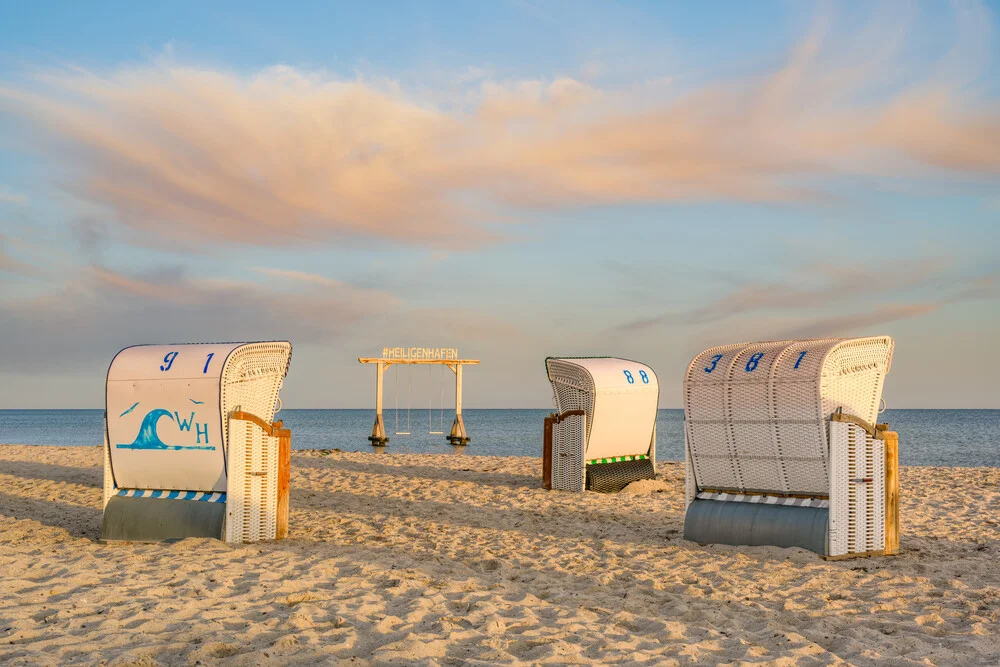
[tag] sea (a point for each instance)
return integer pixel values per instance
(926, 437)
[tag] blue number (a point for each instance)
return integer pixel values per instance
(645, 378)
(799, 360)
(168, 360)
(715, 362)
(752, 364)
(208, 361)
(631, 380)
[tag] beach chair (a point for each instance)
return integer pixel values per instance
(782, 447)
(190, 449)
(603, 436)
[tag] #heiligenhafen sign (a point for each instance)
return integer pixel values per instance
(419, 353)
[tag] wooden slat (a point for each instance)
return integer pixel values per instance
(563, 416)
(284, 482)
(891, 439)
(274, 430)
(851, 419)
(390, 362)
(547, 453)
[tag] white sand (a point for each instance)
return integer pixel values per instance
(421, 559)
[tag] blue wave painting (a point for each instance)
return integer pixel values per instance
(147, 437)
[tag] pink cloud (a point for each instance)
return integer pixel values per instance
(284, 156)
(300, 276)
(11, 264)
(99, 310)
(10, 197)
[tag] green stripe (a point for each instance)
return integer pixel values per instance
(618, 459)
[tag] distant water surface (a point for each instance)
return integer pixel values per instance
(927, 437)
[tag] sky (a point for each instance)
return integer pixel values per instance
(514, 179)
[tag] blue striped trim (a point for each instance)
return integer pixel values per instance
(201, 496)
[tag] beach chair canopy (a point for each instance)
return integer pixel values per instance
(168, 408)
(619, 398)
(757, 414)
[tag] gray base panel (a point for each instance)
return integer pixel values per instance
(613, 477)
(756, 524)
(129, 519)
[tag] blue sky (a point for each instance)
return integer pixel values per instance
(515, 179)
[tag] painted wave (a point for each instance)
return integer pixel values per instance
(148, 438)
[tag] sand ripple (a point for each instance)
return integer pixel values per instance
(447, 560)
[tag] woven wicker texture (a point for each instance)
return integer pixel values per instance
(568, 438)
(756, 413)
(613, 477)
(252, 378)
(573, 387)
(857, 491)
(251, 511)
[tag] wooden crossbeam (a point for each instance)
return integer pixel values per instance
(390, 362)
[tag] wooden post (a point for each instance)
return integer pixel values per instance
(378, 437)
(458, 436)
(891, 440)
(380, 369)
(547, 452)
(284, 477)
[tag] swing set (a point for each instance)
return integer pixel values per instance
(402, 356)
(430, 405)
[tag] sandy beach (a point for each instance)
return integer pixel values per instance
(420, 559)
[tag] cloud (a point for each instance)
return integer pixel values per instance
(810, 288)
(300, 276)
(11, 264)
(100, 311)
(285, 156)
(852, 323)
(10, 197)
(826, 300)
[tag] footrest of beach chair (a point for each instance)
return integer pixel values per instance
(132, 519)
(613, 477)
(756, 524)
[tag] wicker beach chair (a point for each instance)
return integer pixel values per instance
(190, 449)
(782, 447)
(604, 435)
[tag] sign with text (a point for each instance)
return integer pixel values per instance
(419, 353)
